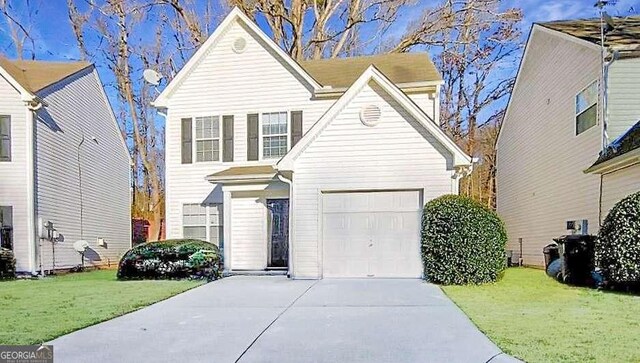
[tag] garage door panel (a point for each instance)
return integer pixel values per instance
(363, 239)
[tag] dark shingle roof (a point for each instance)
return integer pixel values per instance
(629, 141)
(625, 35)
(398, 67)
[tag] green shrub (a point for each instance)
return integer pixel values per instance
(462, 242)
(7, 264)
(171, 259)
(617, 249)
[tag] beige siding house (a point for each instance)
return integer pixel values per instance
(64, 161)
(311, 169)
(554, 130)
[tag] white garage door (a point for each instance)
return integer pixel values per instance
(371, 234)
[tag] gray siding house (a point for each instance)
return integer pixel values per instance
(62, 160)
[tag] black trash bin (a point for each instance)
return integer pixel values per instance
(551, 254)
(577, 253)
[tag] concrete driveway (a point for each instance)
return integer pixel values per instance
(273, 319)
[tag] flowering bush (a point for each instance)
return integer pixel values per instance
(617, 249)
(171, 259)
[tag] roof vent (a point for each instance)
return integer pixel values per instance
(239, 45)
(370, 115)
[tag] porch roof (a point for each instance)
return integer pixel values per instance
(244, 174)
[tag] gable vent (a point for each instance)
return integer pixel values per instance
(239, 45)
(370, 115)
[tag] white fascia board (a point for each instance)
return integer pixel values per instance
(236, 14)
(625, 160)
(373, 74)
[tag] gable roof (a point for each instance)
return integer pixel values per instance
(373, 74)
(619, 152)
(624, 37)
(400, 68)
(34, 76)
(235, 15)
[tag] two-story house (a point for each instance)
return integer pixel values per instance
(64, 167)
(550, 178)
(317, 169)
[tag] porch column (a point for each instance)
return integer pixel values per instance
(226, 220)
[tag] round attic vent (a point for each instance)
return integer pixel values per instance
(239, 45)
(370, 115)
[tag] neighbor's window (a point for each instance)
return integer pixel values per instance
(587, 108)
(198, 220)
(208, 138)
(5, 138)
(274, 134)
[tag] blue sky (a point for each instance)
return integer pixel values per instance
(54, 38)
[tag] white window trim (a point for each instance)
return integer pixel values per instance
(194, 147)
(261, 136)
(207, 218)
(596, 103)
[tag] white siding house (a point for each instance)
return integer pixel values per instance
(258, 138)
(69, 166)
(553, 132)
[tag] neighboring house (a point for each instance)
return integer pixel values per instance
(62, 160)
(319, 169)
(553, 132)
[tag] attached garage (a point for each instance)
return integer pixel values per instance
(358, 181)
(371, 234)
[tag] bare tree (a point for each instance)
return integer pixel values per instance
(134, 35)
(19, 24)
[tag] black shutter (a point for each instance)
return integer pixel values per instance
(252, 136)
(187, 141)
(227, 138)
(5, 138)
(296, 127)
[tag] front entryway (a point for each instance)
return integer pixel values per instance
(372, 234)
(278, 255)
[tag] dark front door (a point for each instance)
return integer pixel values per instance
(279, 232)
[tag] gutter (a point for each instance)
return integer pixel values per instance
(32, 107)
(291, 220)
(622, 161)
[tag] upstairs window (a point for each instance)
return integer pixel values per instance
(587, 108)
(274, 135)
(5, 138)
(208, 138)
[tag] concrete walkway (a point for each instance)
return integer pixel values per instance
(273, 319)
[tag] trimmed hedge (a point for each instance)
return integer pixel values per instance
(463, 242)
(617, 249)
(7, 264)
(171, 259)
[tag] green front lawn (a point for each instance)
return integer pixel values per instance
(34, 311)
(536, 319)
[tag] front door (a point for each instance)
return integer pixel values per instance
(279, 232)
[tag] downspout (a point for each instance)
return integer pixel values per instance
(32, 107)
(291, 220)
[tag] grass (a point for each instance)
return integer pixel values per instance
(35, 311)
(537, 319)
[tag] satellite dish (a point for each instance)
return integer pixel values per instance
(152, 77)
(80, 246)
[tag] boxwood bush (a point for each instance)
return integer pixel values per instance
(463, 242)
(7, 264)
(171, 259)
(617, 249)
